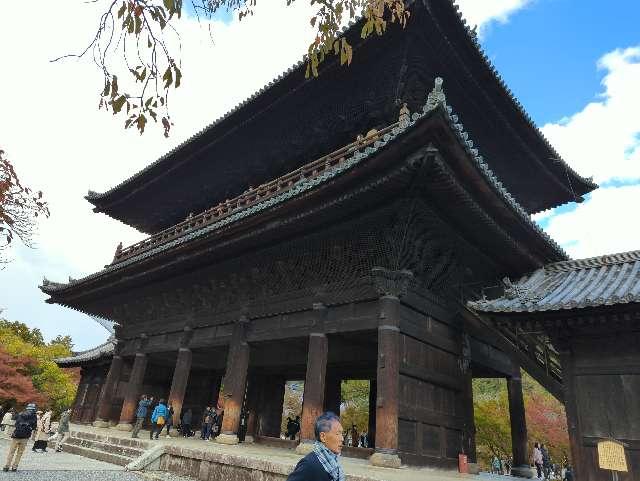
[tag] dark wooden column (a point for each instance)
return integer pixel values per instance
(106, 396)
(313, 399)
(332, 392)
(518, 426)
(573, 425)
(81, 394)
(270, 414)
(133, 392)
(373, 387)
(179, 382)
(235, 380)
(388, 383)
(469, 433)
(254, 391)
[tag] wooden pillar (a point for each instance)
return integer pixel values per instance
(235, 381)
(254, 391)
(469, 434)
(332, 392)
(573, 425)
(133, 392)
(81, 395)
(179, 382)
(313, 399)
(372, 413)
(518, 426)
(388, 383)
(106, 396)
(271, 406)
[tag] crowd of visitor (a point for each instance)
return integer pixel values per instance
(163, 417)
(33, 424)
(541, 462)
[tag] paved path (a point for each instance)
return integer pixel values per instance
(52, 466)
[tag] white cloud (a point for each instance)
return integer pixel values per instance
(483, 12)
(603, 139)
(604, 224)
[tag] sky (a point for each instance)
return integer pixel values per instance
(573, 64)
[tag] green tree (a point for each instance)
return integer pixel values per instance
(66, 341)
(137, 47)
(36, 359)
(354, 408)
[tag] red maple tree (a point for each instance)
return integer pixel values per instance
(15, 383)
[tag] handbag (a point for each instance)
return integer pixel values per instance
(160, 421)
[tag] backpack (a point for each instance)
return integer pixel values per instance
(22, 429)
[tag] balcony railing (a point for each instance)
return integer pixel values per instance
(252, 196)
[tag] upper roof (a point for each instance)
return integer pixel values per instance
(293, 119)
(596, 281)
(103, 351)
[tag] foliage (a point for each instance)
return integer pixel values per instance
(16, 386)
(142, 33)
(545, 415)
(292, 406)
(354, 407)
(34, 359)
(20, 206)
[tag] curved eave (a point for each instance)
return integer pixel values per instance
(573, 185)
(102, 352)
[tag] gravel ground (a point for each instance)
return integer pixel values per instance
(52, 466)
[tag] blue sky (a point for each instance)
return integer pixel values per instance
(547, 51)
(574, 64)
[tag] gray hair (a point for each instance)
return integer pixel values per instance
(324, 422)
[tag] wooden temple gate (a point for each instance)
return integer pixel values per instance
(263, 265)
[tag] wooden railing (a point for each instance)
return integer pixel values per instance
(252, 196)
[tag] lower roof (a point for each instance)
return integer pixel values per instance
(597, 281)
(103, 351)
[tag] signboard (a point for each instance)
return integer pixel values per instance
(611, 456)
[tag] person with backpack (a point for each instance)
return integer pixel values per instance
(141, 414)
(7, 423)
(26, 423)
(185, 425)
(158, 419)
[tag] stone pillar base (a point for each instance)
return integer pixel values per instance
(385, 460)
(227, 439)
(248, 439)
(524, 471)
(304, 448)
(124, 427)
(174, 433)
(101, 423)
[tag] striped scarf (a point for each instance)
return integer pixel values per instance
(329, 461)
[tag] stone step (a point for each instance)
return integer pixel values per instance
(115, 440)
(99, 445)
(97, 454)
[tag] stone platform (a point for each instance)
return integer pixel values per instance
(209, 461)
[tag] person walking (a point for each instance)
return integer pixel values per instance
(537, 459)
(62, 433)
(141, 414)
(7, 423)
(158, 419)
(169, 421)
(207, 422)
(185, 426)
(42, 432)
(546, 461)
(25, 423)
(323, 463)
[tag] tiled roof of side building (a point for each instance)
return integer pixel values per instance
(596, 281)
(93, 196)
(104, 350)
(436, 102)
